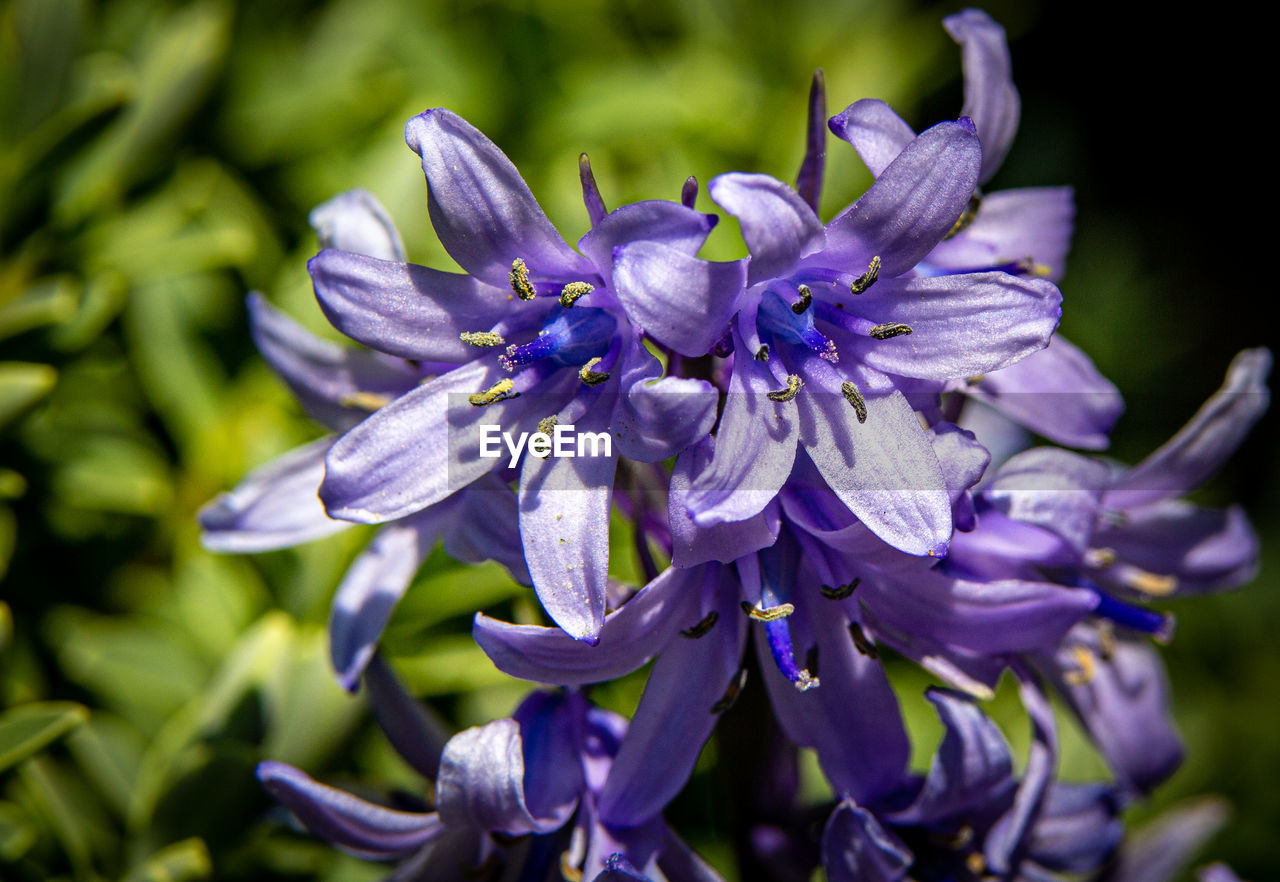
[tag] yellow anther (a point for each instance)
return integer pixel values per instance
(736, 682)
(889, 330)
(762, 354)
(1100, 558)
(369, 401)
(1106, 640)
(592, 377)
(1153, 584)
(499, 391)
(567, 869)
(793, 386)
(702, 627)
(768, 613)
(1029, 266)
(854, 397)
(840, 592)
(968, 216)
(861, 642)
(1086, 666)
(867, 279)
(547, 425)
(974, 380)
(806, 298)
(520, 280)
(572, 291)
(482, 339)
(975, 863)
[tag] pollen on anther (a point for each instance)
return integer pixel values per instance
(768, 613)
(840, 592)
(499, 391)
(369, 401)
(520, 280)
(592, 377)
(702, 627)
(806, 299)
(867, 279)
(889, 330)
(793, 386)
(547, 425)
(574, 290)
(483, 339)
(855, 399)
(762, 354)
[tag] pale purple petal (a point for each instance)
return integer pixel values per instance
(724, 542)
(884, 470)
(372, 587)
(809, 178)
(855, 848)
(960, 325)
(990, 98)
(485, 526)
(356, 221)
(629, 637)
(1162, 848)
(345, 819)
(681, 301)
(875, 130)
(413, 730)
(911, 206)
(564, 527)
(1190, 457)
(404, 309)
(963, 460)
(421, 447)
(1057, 393)
(1012, 226)
(777, 225)
(655, 419)
(755, 448)
(654, 220)
(274, 506)
(481, 208)
(1054, 489)
(675, 717)
(1079, 828)
(330, 380)
(1216, 873)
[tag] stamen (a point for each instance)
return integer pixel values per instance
(483, 339)
(736, 682)
(768, 613)
(1030, 267)
(793, 386)
(567, 869)
(806, 298)
(1153, 584)
(974, 380)
(889, 330)
(975, 863)
(499, 391)
(1106, 640)
(854, 397)
(369, 401)
(867, 279)
(778, 634)
(967, 217)
(590, 377)
(840, 592)
(1099, 558)
(861, 642)
(520, 280)
(762, 354)
(547, 425)
(1086, 667)
(572, 291)
(704, 626)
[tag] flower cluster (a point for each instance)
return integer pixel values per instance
(808, 442)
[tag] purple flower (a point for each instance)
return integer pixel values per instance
(535, 337)
(276, 505)
(1057, 392)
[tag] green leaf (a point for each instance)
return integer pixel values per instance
(17, 833)
(181, 861)
(28, 728)
(21, 385)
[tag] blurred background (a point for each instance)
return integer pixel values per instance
(158, 160)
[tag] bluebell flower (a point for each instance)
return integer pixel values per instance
(276, 505)
(535, 336)
(1057, 392)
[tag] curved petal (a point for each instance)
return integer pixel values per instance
(416, 733)
(875, 130)
(777, 225)
(755, 448)
(990, 98)
(404, 309)
(855, 848)
(372, 587)
(1057, 393)
(960, 325)
(629, 637)
(564, 528)
(345, 819)
(1030, 223)
(274, 506)
(356, 221)
(657, 418)
(481, 208)
(682, 301)
(885, 470)
(911, 206)
(675, 717)
(654, 220)
(809, 178)
(1054, 489)
(725, 542)
(1162, 848)
(1187, 460)
(1078, 830)
(679, 863)
(964, 460)
(485, 526)
(328, 379)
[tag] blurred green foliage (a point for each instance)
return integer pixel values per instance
(158, 159)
